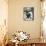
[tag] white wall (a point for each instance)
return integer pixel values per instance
(16, 21)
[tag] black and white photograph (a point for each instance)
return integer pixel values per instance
(28, 13)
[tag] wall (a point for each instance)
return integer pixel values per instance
(16, 21)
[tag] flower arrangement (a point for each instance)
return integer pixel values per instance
(21, 36)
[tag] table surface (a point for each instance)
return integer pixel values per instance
(38, 40)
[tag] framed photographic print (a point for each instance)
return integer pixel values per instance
(28, 13)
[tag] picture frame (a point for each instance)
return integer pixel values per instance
(28, 13)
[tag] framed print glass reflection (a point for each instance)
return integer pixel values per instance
(28, 13)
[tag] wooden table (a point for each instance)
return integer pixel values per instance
(33, 42)
(10, 44)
